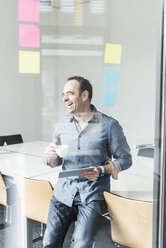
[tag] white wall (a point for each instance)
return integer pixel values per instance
(20, 94)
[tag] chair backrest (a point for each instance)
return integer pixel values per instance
(132, 221)
(11, 139)
(3, 194)
(35, 196)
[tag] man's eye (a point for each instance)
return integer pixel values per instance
(67, 94)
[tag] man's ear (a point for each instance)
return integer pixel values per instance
(85, 95)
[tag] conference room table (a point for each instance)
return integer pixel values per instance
(26, 159)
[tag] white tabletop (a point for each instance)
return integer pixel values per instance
(27, 160)
(136, 195)
(24, 165)
(34, 148)
(52, 176)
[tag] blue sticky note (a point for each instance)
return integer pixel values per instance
(109, 97)
(111, 76)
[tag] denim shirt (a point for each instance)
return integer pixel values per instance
(103, 137)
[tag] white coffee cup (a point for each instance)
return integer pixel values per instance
(62, 150)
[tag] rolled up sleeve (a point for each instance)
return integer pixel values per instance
(118, 145)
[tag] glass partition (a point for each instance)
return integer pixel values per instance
(115, 44)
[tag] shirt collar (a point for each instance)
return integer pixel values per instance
(94, 117)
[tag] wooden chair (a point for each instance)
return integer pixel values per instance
(3, 196)
(35, 197)
(131, 221)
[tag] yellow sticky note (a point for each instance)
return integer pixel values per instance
(79, 13)
(29, 62)
(113, 53)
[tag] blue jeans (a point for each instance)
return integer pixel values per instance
(61, 216)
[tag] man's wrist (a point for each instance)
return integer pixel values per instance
(102, 170)
(108, 169)
(115, 167)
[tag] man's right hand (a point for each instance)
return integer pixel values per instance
(51, 154)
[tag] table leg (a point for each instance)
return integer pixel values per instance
(29, 237)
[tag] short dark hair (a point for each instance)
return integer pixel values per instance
(84, 85)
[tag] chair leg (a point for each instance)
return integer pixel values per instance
(42, 230)
(9, 214)
(93, 246)
(8, 218)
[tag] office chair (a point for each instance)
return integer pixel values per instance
(131, 221)
(35, 197)
(8, 190)
(11, 139)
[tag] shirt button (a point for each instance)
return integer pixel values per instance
(79, 160)
(79, 148)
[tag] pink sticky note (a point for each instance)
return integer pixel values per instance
(28, 10)
(29, 35)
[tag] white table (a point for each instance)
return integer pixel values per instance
(51, 176)
(136, 195)
(34, 148)
(24, 165)
(26, 159)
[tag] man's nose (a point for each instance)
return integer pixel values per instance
(65, 97)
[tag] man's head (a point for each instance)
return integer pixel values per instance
(84, 85)
(77, 94)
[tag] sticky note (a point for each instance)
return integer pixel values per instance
(29, 62)
(113, 53)
(28, 10)
(109, 97)
(111, 76)
(29, 35)
(79, 12)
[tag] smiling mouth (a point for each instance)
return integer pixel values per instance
(69, 105)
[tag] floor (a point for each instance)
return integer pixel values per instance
(10, 236)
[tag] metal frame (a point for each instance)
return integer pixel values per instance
(159, 215)
(162, 209)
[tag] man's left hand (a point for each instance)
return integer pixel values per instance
(92, 175)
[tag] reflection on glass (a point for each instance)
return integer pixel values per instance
(97, 6)
(86, 38)
(67, 6)
(71, 39)
(79, 14)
